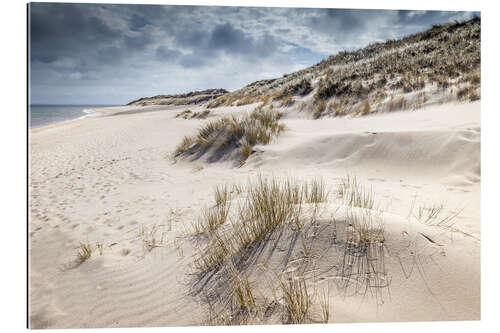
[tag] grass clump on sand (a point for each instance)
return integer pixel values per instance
(185, 114)
(287, 101)
(366, 228)
(428, 213)
(297, 300)
(151, 237)
(260, 237)
(186, 142)
(84, 252)
(242, 290)
(467, 92)
(246, 150)
(363, 268)
(222, 195)
(246, 100)
(319, 109)
(315, 192)
(242, 133)
(269, 211)
(365, 109)
(269, 203)
(432, 215)
(398, 104)
(212, 217)
(201, 114)
(355, 194)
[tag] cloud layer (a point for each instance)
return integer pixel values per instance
(111, 54)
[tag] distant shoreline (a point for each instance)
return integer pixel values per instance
(105, 111)
(43, 115)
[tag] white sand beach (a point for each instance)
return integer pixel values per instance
(110, 181)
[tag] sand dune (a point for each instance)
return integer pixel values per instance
(423, 143)
(109, 180)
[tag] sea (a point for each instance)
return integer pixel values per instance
(42, 115)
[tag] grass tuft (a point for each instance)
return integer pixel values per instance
(259, 127)
(366, 109)
(242, 290)
(428, 213)
(185, 114)
(315, 192)
(151, 237)
(84, 252)
(355, 194)
(325, 306)
(319, 109)
(222, 195)
(185, 144)
(269, 203)
(297, 300)
(287, 101)
(363, 269)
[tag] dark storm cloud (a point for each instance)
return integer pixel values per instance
(203, 47)
(164, 53)
(352, 26)
(138, 42)
(226, 37)
(343, 20)
(76, 24)
(109, 55)
(67, 30)
(137, 22)
(230, 40)
(192, 38)
(194, 60)
(86, 50)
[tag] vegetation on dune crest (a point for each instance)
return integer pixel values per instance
(435, 61)
(194, 97)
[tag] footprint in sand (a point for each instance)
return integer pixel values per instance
(412, 186)
(456, 189)
(376, 179)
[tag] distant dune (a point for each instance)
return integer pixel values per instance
(195, 97)
(439, 65)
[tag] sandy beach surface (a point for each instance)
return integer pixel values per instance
(109, 180)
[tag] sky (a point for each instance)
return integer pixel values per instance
(113, 54)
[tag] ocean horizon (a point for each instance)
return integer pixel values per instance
(48, 114)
